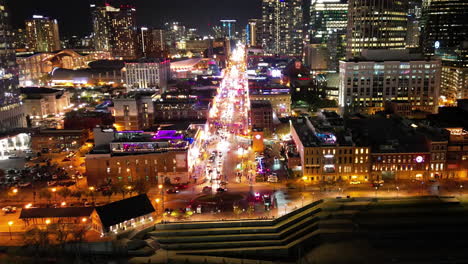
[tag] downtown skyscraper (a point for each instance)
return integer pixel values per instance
(115, 30)
(8, 67)
(377, 24)
(328, 24)
(445, 25)
(282, 27)
(11, 115)
(42, 34)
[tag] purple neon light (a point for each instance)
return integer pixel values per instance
(167, 134)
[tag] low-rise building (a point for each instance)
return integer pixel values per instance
(87, 119)
(179, 107)
(278, 96)
(40, 103)
(327, 156)
(108, 219)
(453, 119)
(401, 149)
(261, 115)
(57, 139)
(191, 68)
(35, 67)
(134, 111)
(156, 157)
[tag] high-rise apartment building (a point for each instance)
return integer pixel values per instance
(42, 34)
(282, 27)
(11, 113)
(376, 24)
(252, 32)
(379, 76)
(175, 33)
(115, 30)
(328, 24)
(445, 25)
(413, 35)
(228, 26)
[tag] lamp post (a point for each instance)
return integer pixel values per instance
(398, 191)
(54, 190)
(10, 223)
(91, 189)
(161, 189)
(461, 190)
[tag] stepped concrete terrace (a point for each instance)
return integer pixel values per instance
(393, 224)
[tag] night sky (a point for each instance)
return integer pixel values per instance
(74, 16)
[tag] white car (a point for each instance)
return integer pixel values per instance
(272, 179)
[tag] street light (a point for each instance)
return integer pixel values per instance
(92, 192)
(398, 191)
(54, 190)
(10, 223)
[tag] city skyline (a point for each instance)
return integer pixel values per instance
(233, 131)
(76, 19)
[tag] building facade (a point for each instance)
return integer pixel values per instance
(40, 103)
(52, 139)
(280, 99)
(35, 67)
(147, 74)
(253, 32)
(381, 76)
(328, 24)
(115, 30)
(261, 116)
(42, 34)
(282, 26)
(135, 111)
(325, 159)
(156, 157)
(380, 24)
(445, 25)
(11, 111)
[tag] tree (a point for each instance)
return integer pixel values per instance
(36, 237)
(61, 232)
(77, 194)
(108, 193)
(79, 232)
(237, 210)
(45, 194)
(141, 186)
(64, 192)
(119, 187)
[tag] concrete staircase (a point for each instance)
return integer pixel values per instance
(251, 238)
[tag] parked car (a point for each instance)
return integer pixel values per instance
(9, 209)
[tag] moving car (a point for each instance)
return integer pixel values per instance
(207, 189)
(221, 190)
(172, 191)
(272, 178)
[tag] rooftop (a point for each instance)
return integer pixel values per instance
(56, 212)
(388, 55)
(124, 210)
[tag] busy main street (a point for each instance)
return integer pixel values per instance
(226, 144)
